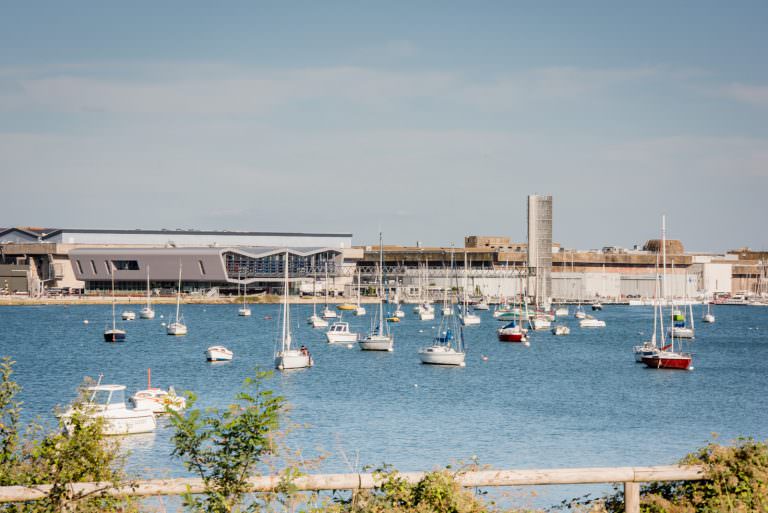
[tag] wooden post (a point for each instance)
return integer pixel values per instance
(631, 497)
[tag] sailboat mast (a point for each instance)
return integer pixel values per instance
(465, 284)
(286, 327)
(147, 286)
(112, 269)
(381, 286)
(178, 295)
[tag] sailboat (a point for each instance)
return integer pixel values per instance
(177, 327)
(381, 339)
(467, 318)
(328, 313)
(359, 310)
(447, 308)
(448, 346)
(113, 334)
(147, 312)
(666, 357)
(285, 357)
(680, 328)
(709, 316)
(157, 400)
(244, 311)
(315, 320)
(427, 310)
(649, 347)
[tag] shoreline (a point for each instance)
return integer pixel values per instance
(169, 300)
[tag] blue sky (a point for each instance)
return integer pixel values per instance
(429, 120)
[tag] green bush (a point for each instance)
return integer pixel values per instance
(33, 457)
(223, 447)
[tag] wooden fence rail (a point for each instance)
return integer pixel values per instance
(630, 476)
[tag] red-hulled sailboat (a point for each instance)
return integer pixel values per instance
(512, 332)
(666, 357)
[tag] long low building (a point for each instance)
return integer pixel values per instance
(199, 268)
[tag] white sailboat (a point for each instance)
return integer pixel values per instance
(315, 320)
(709, 316)
(128, 315)
(286, 357)
(448, 346)
(147, 312)
(359, 310)
(328, 312)
(113, 334)
(467, 318)
(244, 311)
(380, 339)
(177, 327)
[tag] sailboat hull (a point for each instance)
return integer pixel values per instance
(678, 332)
(511, 337)
(114, 336)
(293, 359)
(376, 343)
(147, 313)
(441, 355)
(176, 329)
(668, 360)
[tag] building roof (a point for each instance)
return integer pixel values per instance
(51, 232)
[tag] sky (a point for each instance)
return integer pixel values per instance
(426, 120)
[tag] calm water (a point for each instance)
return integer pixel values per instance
(579, 400)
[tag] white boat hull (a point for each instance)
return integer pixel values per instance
(317, 322)
(360, 311)
(340, 338)
(469, 319)
(442, 355)
(128, 316)
(680, 332)
(591, 323)
(122, 421)
(147, 313)
(708, 318)
(540, 324)
(218, 354)
(426, 315)
(244, 312)
(292, 359)
(376, 343)
(176, 329)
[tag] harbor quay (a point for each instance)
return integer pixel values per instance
(217, 266)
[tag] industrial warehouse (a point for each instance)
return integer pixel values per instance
(37, 261)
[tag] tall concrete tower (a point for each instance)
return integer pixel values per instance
(540, 247)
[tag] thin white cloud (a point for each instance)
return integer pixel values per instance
(207, 88)
(745, 93)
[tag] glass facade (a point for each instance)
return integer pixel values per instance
(240, 266)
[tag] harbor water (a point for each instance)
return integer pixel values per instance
(577, 400)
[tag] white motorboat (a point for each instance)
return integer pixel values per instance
(107, 402)
(147, 312)
(128, 315)
(339, 332)
(177, 327)
(380, 339)
(591, 322)
(218, 354)
(540, 323)
(597, 306)
(561, 329)
(285, 356)
(562, 311)
(156, 399)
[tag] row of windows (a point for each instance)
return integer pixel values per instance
(241, 266)
(123, 265)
